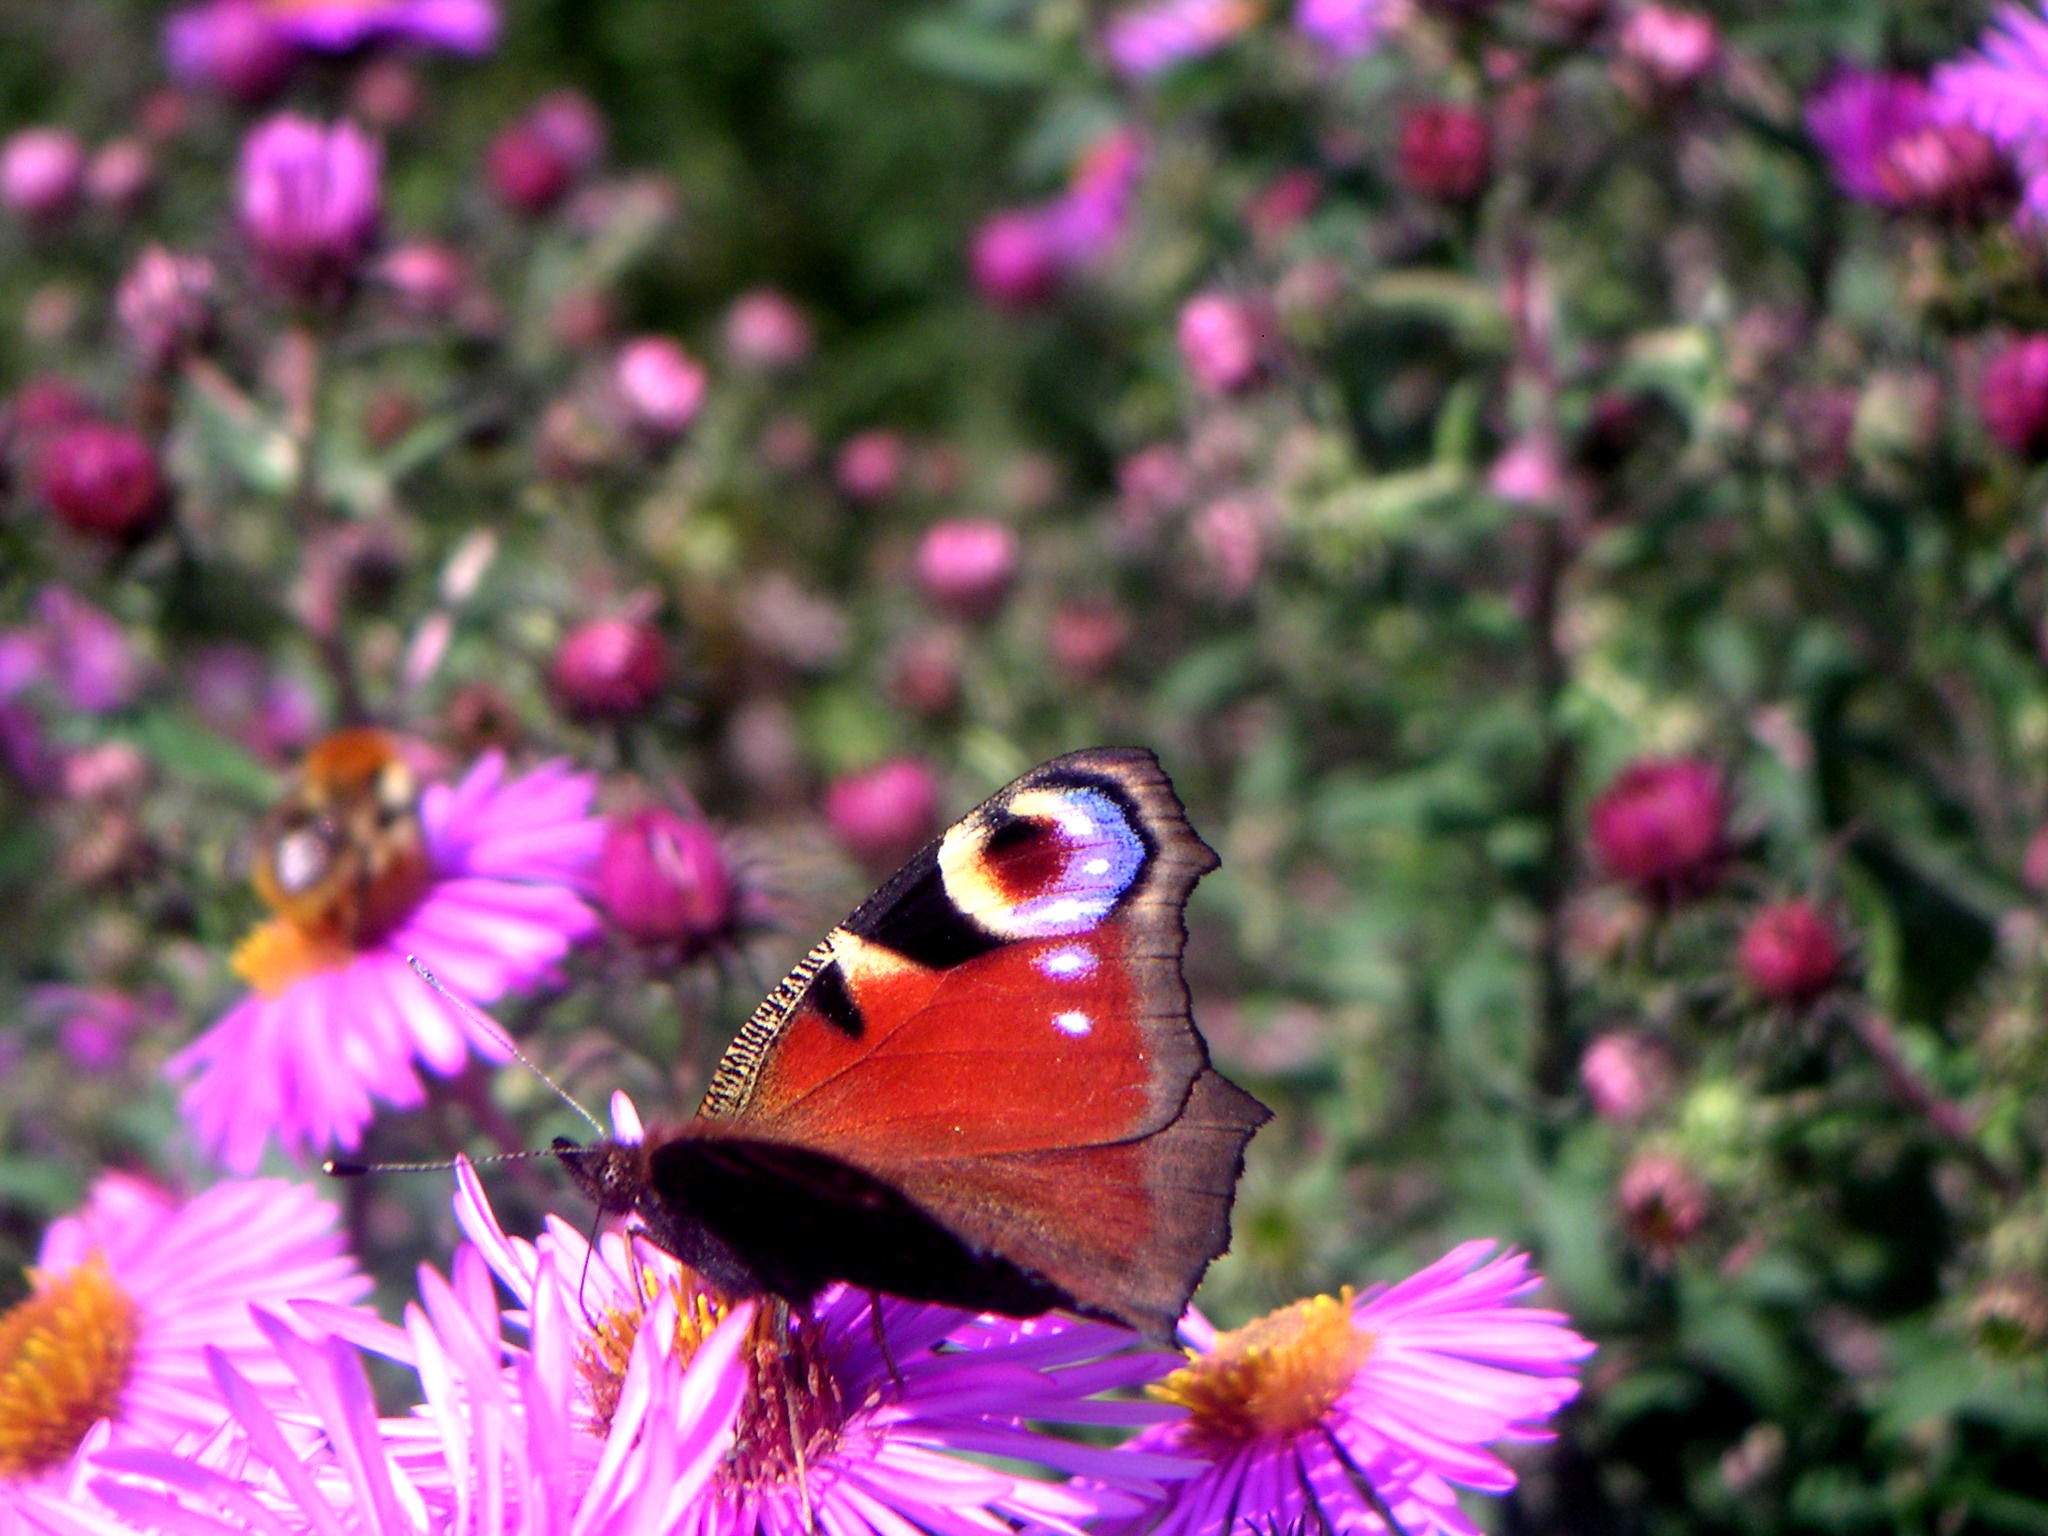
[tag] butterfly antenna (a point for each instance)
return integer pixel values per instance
(481, 1021)
(344, 1168)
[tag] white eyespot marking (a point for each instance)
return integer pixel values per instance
(1095, 867)
(1068, 964)
(1072, 1022)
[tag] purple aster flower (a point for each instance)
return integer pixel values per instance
(129, 1295)
(219, 40)
(2002, 91)
(310, 204)
(484, 883)
(1349, 29)
(1857, 117)
(1150, 38)
(1401, 1389)
(884, 1440)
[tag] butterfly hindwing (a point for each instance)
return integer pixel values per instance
(1000, 1036)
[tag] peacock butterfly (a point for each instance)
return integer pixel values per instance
(982, 1089)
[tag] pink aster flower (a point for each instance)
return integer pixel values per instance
(1402, 1389)
(608, 1331)
(1347, 29)
(127, 1298)
(484, 882)
(2001, 90)
(1150, 38)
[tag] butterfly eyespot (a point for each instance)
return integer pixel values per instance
(1052, 862)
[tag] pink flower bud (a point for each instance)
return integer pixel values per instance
(1663, 1204)
(663, 879)
(1221, 342)
(869, 467)
(1950, 170)
(1446, 152)
(660, 386)
(766, 333)
(967, 565)
(101, 481)
(428, 279)
(1673, 48)
(42, 172)
(310, 204)
(1790, 953)
(610, 668)
(165, 304)
(1086, 638)
(2012, 396)
(1626, 1074)
(120, 177)
(885, 812)
(1016, 259)
(1662, 826)
(569, 123)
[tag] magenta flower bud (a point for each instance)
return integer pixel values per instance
(1662, 826)
(659, 386)
(526, 172)
(1626, 1074)
(886, 811)
(766, 333)
(870, 467)
(310, 204)
(1086, 638)
(1790, 953)
(120, 177)
(1016, 259)
(101, 481)
(1674, 49)
(1231, 534)
(2012, 396)
(663, 879)
(610, 668)
(165, 304)
(427, 278)
(1949, 170)
(1662, 1203)
(42, 172)
(1446, 152)
(967, 565)
(1220, 342)
(1527, 473)
(235, 47)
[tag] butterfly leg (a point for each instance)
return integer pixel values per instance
(882, 1339)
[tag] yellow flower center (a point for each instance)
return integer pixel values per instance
(793, 1409)
(1274, 1377)
(602, 1357)
(278, 954)
(65, 1355)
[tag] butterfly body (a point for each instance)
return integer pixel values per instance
(983, 1088)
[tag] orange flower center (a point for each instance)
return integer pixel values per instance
(65, 1355)
(1274, 1377)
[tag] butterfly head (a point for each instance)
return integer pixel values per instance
(613, 1175)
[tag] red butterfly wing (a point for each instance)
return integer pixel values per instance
(1001, 1036)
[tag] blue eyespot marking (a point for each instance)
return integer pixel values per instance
(1100, 855)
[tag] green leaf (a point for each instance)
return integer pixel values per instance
(959, 50)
